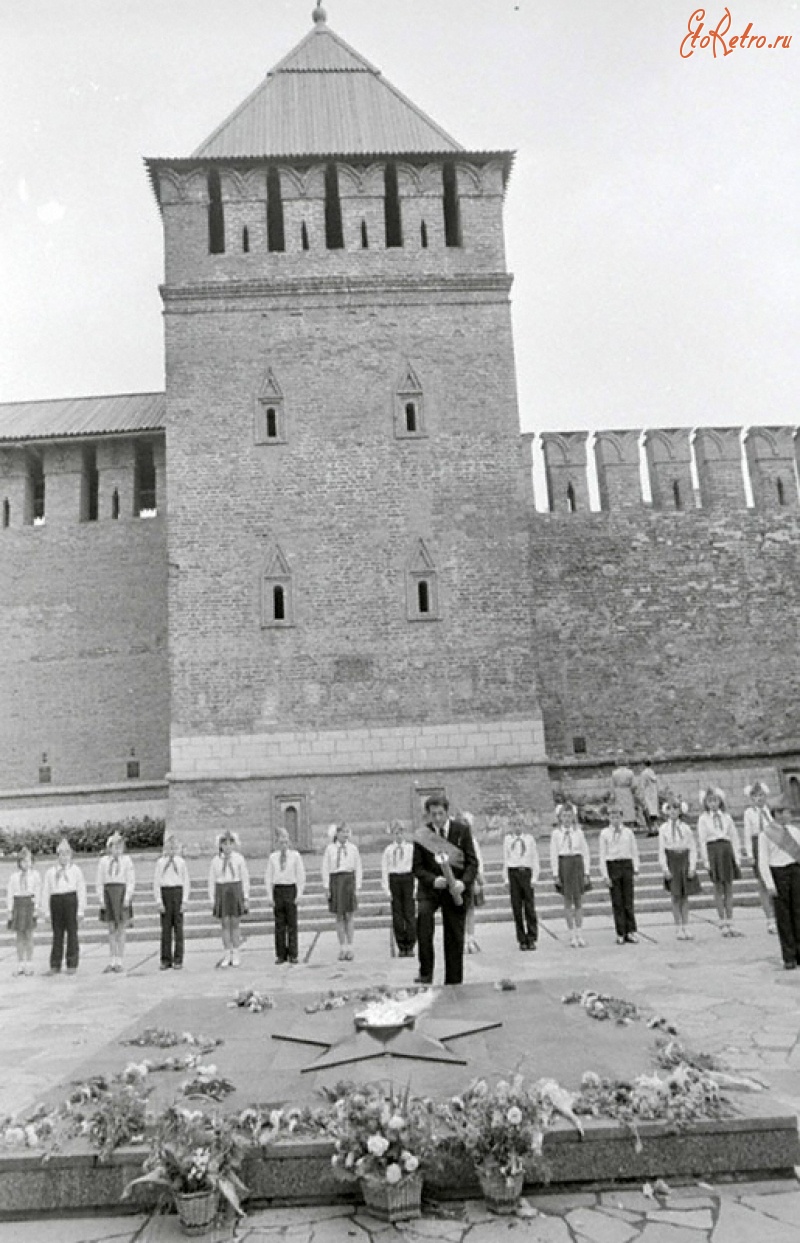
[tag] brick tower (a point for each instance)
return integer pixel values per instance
(350, 610)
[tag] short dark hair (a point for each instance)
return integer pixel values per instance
(437, 800)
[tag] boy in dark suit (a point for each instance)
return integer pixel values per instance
(434, 894)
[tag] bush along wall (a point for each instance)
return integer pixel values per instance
(140, 833)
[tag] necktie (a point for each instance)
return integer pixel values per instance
(617, 833)
(718, 823)
(340, 854)
(24, 882)
(398, 854)
(172, 863)
(762, 819)
(228, 866)
(284, 856)
(568, 842)
(518, 845)
(114, 866)
(62, 874)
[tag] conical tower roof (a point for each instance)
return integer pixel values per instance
(325, 99)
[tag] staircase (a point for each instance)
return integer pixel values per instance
(373, 911)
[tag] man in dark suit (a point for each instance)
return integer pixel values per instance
(433, 893)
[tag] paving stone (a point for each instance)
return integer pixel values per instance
(622, 1214)
(737, 1224)
(514, 1230)
(434, 1228)
(599, 1227)
(767, 1187)
(70, 1230)
(659, 1232)
(339, 1230)
(633, 1201)
(563, 1202)
(696, 1219)
(785, 1207)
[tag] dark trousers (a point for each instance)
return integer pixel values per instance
(787, 910)
(64, 917)
(172, 925)
(453, 919)
(401, 887)
(284, 902)
(620, 873)
(520, 891)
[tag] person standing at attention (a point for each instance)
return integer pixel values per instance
(342, 876)
(64, 897)
(229, 890)
(619, 863)
(445, 867)
(779, 863)
(24, 896)
(520, 873)
(756, 818)
(285, 882)
(171, 888)
(677, 857)
(720, 854)
(570, 863)
(397, 881)
(116, 881)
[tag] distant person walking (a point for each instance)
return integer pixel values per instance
(521, 872)
(24, 896)
(342, 876)
(116, 881)
(779, 864)
(229, 891)
(619, 863)
(171, 888)
(720, 854)
(647, 791)
(677, 857)
(570, 863)
(756, 818)
(397, 882)
(285, 882)
(622, 779)
(64, 897)
(475, 895)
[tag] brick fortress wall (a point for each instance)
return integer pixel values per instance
(83, 655)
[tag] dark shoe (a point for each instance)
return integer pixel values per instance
(790, 966)
(279, 962)
(532, 945)
(109, 968)
(292, 962)
(523, 945)
(166, 966)
(422, 979)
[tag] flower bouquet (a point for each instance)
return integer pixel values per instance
(196, 1158)
(502, 1131)
(382, 1137)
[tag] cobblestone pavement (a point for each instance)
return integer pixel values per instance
(729, 997)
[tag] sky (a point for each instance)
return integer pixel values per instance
(651, 215)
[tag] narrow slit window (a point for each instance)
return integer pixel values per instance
(452, 211)
(246, 240)
(6, 513)
(91, 486)
(572, 504)
(391, 207)
(423, 235)
(781, 492)
(421, 586)
(304, 236)
(276, 240)
(115, 503)
(364, 236)
(132, 770)
(676, 494)
(272, 423)
(423, 597)
(38, 489)
(334, 235)
(276, 592)
(278, 603)
(411, 416)
(216, 215)
(145, 500)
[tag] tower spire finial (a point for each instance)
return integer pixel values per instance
(319, 16)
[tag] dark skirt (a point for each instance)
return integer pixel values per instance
(342, 899)
(22, 916)
(114, 912)
(571, 878)
(679, 885)
(722, 866)
(228, 899)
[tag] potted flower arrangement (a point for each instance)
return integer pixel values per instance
(502, 1130)
(382, 1137)
(196, 1157)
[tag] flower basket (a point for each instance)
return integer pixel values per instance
(197, 1210)
(501, 1191)
(393, 1201)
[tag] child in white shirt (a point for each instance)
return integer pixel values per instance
(24, 895)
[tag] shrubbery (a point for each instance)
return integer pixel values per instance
(140, 833)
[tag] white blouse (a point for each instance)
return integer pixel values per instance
(60, 880)
(111, 871)
(568, 842)
(341, 857)
(717, 827)
(225, 870)
(520, 852)
(24, 884)
(676, 836)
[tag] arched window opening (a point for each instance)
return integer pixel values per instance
(794, 791)
(290, 822)
(411, 416)
(246, 240)
(276, 592)
(423, 597)
(572, 503)
(421, 585)
(6, 513)
(391, 207)
(781, 491)
(115, 504)
(452, 211)
(364, 236)
(276, 239)
(334, 235)
(423, 235)
(278, 603)
(216, 215)
(676, 494)
(304, 236)
(272, 422)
